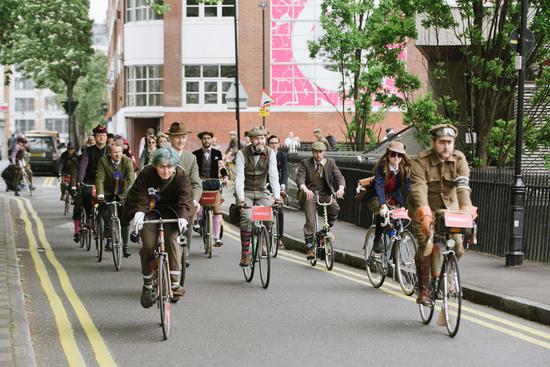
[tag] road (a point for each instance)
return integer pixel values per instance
(85, 313)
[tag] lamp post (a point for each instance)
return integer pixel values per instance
(263, 5)
(237, 114)
(514, 256)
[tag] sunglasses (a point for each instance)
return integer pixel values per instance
(395, 154)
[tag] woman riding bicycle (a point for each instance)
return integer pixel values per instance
(165, 187)
(389, 188)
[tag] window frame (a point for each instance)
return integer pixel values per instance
(19, 100)
(133, 81)
(134, 7)
(222, 85)
(202, 7)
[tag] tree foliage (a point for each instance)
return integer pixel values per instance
(363, 40)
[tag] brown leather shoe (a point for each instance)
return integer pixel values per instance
(245, 260)
(177, 292)
(310, 255)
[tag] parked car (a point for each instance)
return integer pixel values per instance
(43, 152)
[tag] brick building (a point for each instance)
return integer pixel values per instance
(179, 66)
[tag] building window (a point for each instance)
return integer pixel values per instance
(24, 104)
(194, 9)
(50, 104)
(23, 84)
(144, 85)
(61, 125)
(23, 125)
(207, 84)
(138, 10)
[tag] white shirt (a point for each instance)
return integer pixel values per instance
(273, 175)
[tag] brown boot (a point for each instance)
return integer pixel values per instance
(310, 255)
(245, 260)
(424, 281)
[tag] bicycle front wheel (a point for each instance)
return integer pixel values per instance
(248, 271)
(329, 252)
(452, 294)
(99, 239)
(184, 250)
(117, 243)
(210, 231)
(263, 254)
(89, 232)
(164, 295)
(405, 268)
(373, 264)
(275, 237)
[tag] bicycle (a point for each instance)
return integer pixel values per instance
(94, 225)
(323, 247)
(116, 232)
(162, 284)
(25, 182)
(447, 287)
(260, 243)
(208, 201)
(66, 194)
(275, 232)
(398, 254)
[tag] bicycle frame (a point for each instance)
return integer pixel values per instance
(325, 229)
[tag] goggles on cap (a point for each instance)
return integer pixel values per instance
(445, 131)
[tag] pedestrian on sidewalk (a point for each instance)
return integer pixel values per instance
(149, 133)
(440, 179)
(292, 143)
(147, 154)
(282, 167)
(389, 187)
(317, 174)
(318, 133)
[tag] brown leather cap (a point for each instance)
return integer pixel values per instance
(398, 147)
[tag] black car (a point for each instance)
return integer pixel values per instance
(43, 153)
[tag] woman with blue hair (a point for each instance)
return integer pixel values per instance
(165, 187)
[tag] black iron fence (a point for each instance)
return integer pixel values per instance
(490, 193)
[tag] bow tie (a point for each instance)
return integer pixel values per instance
(258, 153)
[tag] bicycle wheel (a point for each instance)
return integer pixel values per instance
(99, 238)
(117, 243)
(374, 265)
(210, 233)
(164, 295)
(329, 252)
(264, 256)
(183, 267)
(89, 232)
(405, 268)
(67, 202)
(82, 228)
(275, 237)
(452, 294)
(427, 311)
(315, 239)
(248, 271)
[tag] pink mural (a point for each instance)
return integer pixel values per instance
(296, 79)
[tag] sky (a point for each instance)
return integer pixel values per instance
(98, 10)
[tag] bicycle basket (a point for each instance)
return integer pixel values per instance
(209, 198)
(261, 213)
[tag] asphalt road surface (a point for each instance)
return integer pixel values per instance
(85, 313)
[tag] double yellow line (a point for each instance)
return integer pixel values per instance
(66, 333)
(487, 320)
(49, 182)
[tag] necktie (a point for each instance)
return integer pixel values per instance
(319, 169)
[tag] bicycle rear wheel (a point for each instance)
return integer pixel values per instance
(210, 231)
(427, 311)
(248, 271)
(405, 268)
(329, 252)
(164, 295)
(275, 237)
(89, 232)
(99, 239)
(452, 294)
(117, 243)
(263, 254)
(373, 265)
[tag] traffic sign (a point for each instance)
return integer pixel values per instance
(264, 112)
(266, 99)
(529, 40)
(231, 97)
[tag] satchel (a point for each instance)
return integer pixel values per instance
(363, 184)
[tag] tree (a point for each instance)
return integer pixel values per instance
(51, 42)
(363, 40)
(483, 30)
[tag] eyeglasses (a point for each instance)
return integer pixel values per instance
(151, 142)
(446, 131)
(273, 142)
(395, 154)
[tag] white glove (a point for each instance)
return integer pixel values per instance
(383, 211)
(359, 188)
(182, 223)
(101, 197)
(139, 217)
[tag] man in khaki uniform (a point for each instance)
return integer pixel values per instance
(178, 138)
(439, 180)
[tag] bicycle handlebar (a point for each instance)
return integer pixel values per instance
(321, 203)
(156, 221)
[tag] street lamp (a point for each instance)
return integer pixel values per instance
(263, 5)
(237, 115)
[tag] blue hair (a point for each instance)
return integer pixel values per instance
(166, 156)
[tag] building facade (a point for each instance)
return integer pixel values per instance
(178, 66)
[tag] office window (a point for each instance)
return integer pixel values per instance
(50, 104)
(194, 9)
(207, 84)
(24, 104)
(23, 125)
(23, 84)
(138, 10)
(144, 85)
(61, 125)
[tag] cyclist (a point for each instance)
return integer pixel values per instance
(64, 165)
(89, 163)
(210, 163)
(282, 167)
(318, 174)
(18, 158)
(389, 188)
(166, 186)
(254, 163)
(109, 166)
(74, 166)
(439, 180)
(178, 138)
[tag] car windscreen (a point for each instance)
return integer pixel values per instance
(43, 143)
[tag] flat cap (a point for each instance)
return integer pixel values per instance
(257, 131)
(318, 145)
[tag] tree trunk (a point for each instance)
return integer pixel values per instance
(73, 134)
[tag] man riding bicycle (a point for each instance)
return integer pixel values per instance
(64, 163)
(254, 163)
(210, 163)
(439, 180)
(165, 187)
(318, 174)
(18, 158)
(115, 175)
(282, 168)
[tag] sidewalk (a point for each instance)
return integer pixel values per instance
(15, 340)
(522, 291)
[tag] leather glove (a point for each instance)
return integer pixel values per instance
(182, 224)
(424, 215)
(73, 191)
(139, 218)
(101, 197)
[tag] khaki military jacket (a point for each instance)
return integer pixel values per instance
(434, 182)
